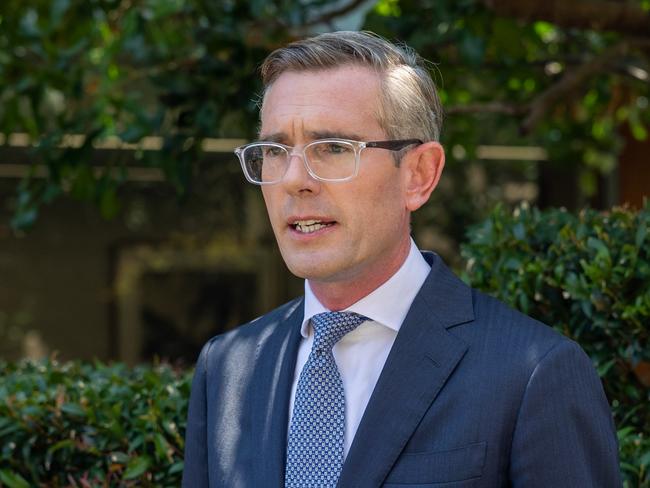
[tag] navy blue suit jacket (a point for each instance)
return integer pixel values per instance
(473, 394)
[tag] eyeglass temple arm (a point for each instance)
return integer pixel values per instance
(393, 145)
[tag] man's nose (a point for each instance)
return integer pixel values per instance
(297, 178)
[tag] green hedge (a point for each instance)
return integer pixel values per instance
(82, 425)
(587, 275)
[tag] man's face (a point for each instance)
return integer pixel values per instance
(363, 224)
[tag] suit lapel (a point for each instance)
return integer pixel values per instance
(422, 358)
(274, 367)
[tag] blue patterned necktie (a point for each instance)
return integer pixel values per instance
(316, 435)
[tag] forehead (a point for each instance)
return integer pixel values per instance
(344, 99)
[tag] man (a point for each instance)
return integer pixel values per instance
(389, 371)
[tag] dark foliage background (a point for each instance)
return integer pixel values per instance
(567, 77)
(81, 425)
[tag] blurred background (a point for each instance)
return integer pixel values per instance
(127, 231)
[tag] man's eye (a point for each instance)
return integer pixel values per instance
(272, 152)
(335, 148)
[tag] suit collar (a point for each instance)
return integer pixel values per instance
(446, 296)
(423, 356)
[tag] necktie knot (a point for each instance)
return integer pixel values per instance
(330, 327)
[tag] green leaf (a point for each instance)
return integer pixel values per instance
(473, 49)
(83, 183)
(109, 203)
(60, 445)
(29, 23)
(24, 219)
(388, 8)
(547, 32)
(73, 409)
(176, 468)
(162, 446)
(604, 368)
(645, 459)
(13, 480)
(599, 246)
(519, 231)
(119, 457)
(639, 132)
(641, 233)
(57, 11)
(137, 467)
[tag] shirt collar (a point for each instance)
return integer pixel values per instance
(388, 304)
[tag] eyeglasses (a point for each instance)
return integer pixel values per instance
(265, 163)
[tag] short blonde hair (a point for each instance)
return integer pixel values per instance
(410, 106)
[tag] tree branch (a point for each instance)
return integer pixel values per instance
(605, 15)
(570, 82)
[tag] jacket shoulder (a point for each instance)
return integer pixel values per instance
(244, 338)
(505, 330)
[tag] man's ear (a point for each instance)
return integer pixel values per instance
(423, 167)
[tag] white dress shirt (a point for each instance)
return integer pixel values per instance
(361, 354)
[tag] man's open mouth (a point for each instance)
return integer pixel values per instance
(309, 226)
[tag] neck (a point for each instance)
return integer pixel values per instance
(339, 295)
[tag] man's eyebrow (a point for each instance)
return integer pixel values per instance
(275, 137)
(282, 137)
(328, 134)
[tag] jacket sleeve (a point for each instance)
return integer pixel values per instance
(195, 470)
(564, 434)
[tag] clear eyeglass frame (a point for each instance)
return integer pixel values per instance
(357, 146)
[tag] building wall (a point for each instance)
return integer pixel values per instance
(60, 281)
(57, 275)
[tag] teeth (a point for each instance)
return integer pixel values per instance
(309, 226)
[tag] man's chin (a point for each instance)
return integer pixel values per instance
(313, 271)
(305, 272)
(310, 265)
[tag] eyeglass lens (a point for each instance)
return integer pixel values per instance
(330, 160)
